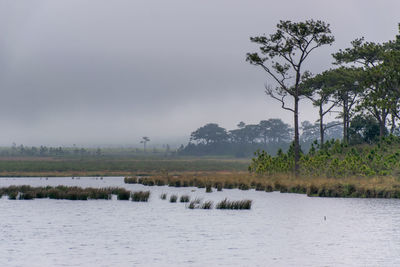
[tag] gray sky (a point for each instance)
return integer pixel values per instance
(108, 72)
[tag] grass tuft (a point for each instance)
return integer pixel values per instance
(140, 196)
(234, 205)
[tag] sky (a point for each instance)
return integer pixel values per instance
(97, 72)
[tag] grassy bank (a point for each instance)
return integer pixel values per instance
(360, 187)
(23, 167)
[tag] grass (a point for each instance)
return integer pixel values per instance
(163, 196)
(360, 187)
(184, 198)
(208, 188)
(63, 167)
(234, 205)
(194, 204)
(173, 198)
(207, 205)
(26, 192)
(140, 196)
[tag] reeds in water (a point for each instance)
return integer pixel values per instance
(194, 204)
(208, 188)
(173, 198)
(184, 199)
(26, 192)
(207, 205)
(234, 205)
(140, 196)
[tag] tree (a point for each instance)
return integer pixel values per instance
(145, 139)
(335, 87)
(210, 133)
(369, 56)
(275, 131)
(310, 132)
(364, 129)
(292, 44)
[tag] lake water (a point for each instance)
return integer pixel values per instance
(279, 230)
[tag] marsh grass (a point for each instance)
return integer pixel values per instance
(207, 205)
(173, 198)
(194, 204)
(26, 192)
(140, 196)
(123, 194)
(234, 205)
(364, 187)
(184, 198)
(208, 188)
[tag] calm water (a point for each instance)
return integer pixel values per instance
(279, 230)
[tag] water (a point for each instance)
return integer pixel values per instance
(279, 230)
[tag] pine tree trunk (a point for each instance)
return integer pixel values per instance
(296, 137)
(321, 125)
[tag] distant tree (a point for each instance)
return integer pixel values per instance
(210, 133)
(241, 125)
(310, 131)
(275, 131)
(144, 141)
(292, 43)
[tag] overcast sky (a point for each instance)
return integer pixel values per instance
(108, 72)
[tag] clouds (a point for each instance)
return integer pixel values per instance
(114, 71)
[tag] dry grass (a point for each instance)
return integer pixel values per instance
(380, 187)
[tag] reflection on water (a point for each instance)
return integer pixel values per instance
(279, 230)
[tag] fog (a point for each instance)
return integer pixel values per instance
(108, 72)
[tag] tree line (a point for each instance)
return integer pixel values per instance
(270, 135)
(364, 82)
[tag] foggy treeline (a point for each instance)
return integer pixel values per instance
(269, 135)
